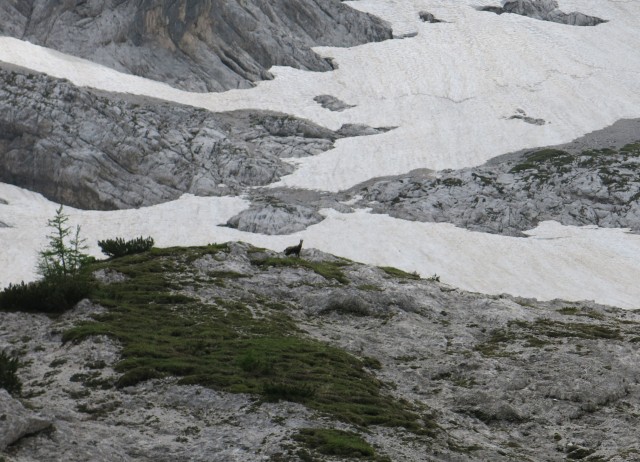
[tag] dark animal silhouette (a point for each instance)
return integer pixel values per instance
(294, 249)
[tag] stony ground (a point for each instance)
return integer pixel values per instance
(491, 378)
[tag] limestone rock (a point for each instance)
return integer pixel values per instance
(97, 151)
(275, 218)
(16, 421)
(428, 17)
(332, 103)
(574, 187)
(545, 10)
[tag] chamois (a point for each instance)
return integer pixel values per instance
(294, 249)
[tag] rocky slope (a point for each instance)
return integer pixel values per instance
(545, 10)
(194, 45)
(592, 187)
(104, 151)
(479, 377)
(594, 180)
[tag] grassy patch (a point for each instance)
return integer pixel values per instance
(494, 345)
(543, 332)
(575, 311)
(533, 161)
(632, 147)
(225, 346)
(556, 329)
(339, 443)
(398, 273)
(452, 182)
(326, 269)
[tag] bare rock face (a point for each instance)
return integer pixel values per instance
(16, 421)
(275, 218)
(199, 45)
(95, 151)
(545, 10)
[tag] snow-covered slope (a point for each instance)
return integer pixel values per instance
(451, 91)
(556, 261)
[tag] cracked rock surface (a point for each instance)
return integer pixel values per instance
(96, 151)
(598, 186)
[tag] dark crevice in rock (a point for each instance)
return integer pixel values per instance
(545, 10)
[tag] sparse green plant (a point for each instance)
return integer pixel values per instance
(326, 269)
(118, 247)
(8, 373)
(398, 273)
(332, 442)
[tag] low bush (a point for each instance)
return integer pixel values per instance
(118, 247)
(8, 374)
(338, 443)
(49, 295)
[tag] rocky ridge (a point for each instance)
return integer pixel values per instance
(193, 45)
(492, 377)
(544, 10)
(593, 180)
(593, 187)
(102, 151)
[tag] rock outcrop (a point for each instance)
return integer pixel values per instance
(16, 421)
(196, 45)
(99, 151)
(545, 10)
(332, 103)
(591, 187)
(425, 16)
(275, 218)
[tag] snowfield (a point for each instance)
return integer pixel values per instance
(450, 91)
(572, 263)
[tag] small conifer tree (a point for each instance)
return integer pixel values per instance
(63, 256)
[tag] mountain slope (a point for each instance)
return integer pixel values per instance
(204, 354)
(200, 45)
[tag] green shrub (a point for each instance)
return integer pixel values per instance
(118, 247)
(8, 378)
(137, 375)
(49, 295)
(275, 391)
(334, 442)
